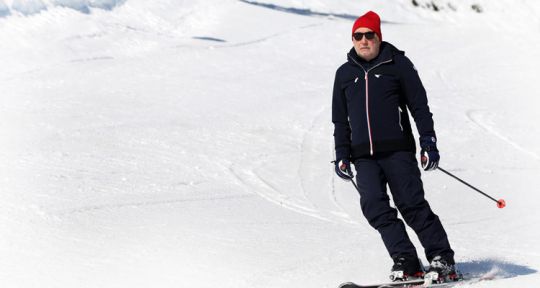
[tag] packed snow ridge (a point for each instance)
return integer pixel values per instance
(30, 7)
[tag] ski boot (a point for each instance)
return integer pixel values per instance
(406, 268)
(442, 270)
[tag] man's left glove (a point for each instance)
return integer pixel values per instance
(343, 169)
(429, 155)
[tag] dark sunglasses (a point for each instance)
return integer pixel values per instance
(359, 35)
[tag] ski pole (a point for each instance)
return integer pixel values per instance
(500, 203)
(354, 184)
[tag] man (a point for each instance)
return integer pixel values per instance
(372, 92)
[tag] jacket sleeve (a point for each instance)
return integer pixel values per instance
(340, 118)
(416, 98)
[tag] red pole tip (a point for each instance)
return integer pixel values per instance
(501, 203)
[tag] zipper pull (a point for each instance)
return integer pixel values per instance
(365, 76)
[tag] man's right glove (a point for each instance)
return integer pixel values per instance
(429, 155)
(343, 169)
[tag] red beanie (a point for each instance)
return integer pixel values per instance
(369, 20)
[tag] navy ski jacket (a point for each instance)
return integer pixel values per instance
(370, 102)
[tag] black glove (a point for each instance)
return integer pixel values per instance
(343, 169)
(429, 155)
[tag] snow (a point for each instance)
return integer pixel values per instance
(31, 7)
(188, 143)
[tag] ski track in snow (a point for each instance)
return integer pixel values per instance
(313, 190)
(479, 117)
(307, 146)
(315, 184)
(316, 187)
(269, 193)
(142, 204)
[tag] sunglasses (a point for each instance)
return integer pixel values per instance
(359, 35)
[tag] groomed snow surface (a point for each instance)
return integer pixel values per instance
(188, 143)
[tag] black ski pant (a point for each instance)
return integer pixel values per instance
(399, 170)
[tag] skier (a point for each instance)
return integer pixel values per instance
(372, 92)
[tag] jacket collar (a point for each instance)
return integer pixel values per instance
(386, 53)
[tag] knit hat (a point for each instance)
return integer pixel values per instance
(369, 20)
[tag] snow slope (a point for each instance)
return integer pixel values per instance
(187, 143)
(31, 7)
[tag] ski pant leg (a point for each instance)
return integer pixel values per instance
(401, 170)
(375, 204)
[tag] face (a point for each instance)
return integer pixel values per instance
(365, 48)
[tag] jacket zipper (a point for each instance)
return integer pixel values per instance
(367, 113)
(366, 72)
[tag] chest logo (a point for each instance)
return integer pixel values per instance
(378, 75)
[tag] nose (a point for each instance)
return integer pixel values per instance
(364, 41)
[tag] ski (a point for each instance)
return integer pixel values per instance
(399, 284)
(406, 284)
(421, 283)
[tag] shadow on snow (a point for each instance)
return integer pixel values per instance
(499, 268)
(208, 38)
(304, 12)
